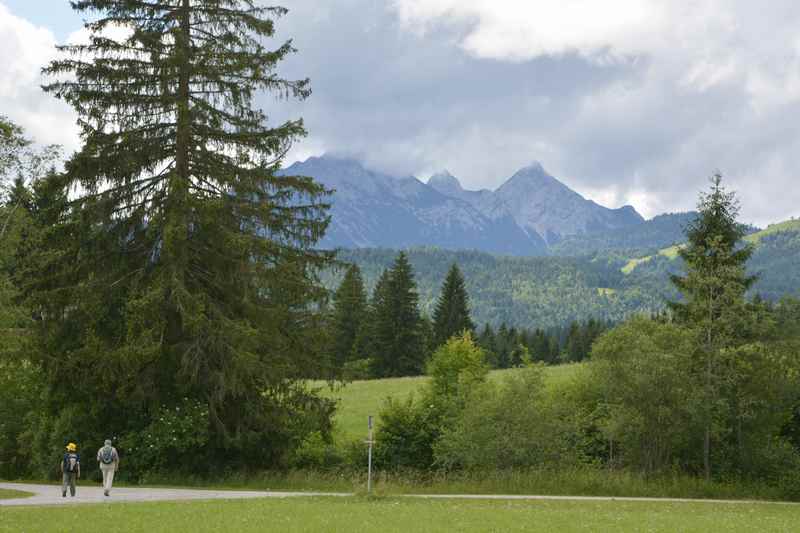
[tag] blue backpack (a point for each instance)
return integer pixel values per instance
(71, 462)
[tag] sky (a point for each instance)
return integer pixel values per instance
(626, 101)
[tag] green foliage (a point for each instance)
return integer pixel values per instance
(451, 316)
(176, 439)
(406, 434)
(396, 340)
(316, 452)
(21, 391)
(456, 367)
(509, 425)
(348, 320)
(530, 292)
(182, 265)
(647, 398)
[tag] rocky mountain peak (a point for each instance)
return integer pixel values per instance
(445, 183)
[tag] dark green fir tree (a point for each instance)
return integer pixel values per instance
(398, 347)
(349, 313)
(451, 316)
(714, 304)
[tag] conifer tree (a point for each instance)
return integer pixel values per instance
(398, 345)
(189, 268)
(349, 312)
(451, 316)
(488, 342)
(714, 288)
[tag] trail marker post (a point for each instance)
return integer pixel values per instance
(369, 455)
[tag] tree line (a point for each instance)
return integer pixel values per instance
(386, 335)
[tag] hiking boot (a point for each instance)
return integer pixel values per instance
(105, 493)
(64, 494)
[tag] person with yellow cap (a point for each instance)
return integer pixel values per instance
(70, 470)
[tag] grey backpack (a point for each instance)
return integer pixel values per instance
(107, 455)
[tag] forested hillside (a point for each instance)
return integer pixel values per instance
(640, 239)
(540, 292)
(545, 292)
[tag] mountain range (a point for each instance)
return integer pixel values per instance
(528, 215)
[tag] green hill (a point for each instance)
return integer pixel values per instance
(788, 226)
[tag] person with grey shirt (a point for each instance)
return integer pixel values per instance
(108, 458)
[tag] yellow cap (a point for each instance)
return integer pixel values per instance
(71, 447)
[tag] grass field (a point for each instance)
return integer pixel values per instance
(398, 514)
(6, 494)
(359, 399)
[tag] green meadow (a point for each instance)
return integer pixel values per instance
(399, 514)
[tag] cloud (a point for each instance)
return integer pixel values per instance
(25, 49)
(629, 101)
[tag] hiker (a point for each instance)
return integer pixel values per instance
(108, 458)
(70, 470)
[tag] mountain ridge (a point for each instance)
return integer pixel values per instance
(525, 216)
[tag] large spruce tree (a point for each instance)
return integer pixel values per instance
(186, 265)
(397, 346)
(349, 313)
(451, 315)
(713, 290)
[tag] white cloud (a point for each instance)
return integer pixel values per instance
(708, 84)
(24, 50)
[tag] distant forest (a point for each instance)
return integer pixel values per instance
(552, 292)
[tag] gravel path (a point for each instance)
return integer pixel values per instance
(93, 493)
(51, 495)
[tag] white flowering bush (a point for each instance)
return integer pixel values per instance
(171, 440)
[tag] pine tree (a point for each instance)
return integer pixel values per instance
(714, 290)
(350, 306)
(397, 341)
(488, 343)
(451, 316)
(189, 268)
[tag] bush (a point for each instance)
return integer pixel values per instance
(174, 440)
(456, 366)
(406, 434)
(316, 452)
(507, 426)
(20, 396)
(648, 399)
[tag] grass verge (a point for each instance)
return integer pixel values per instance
(397, 514)
(8, 494)
(565, 482)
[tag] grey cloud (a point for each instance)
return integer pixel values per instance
(410, 103)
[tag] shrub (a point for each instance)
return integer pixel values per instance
(174, 440)
(456, 366)
(506, 426)
(316, 452)
(20, 396)
(406, 434)
(648, 399)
